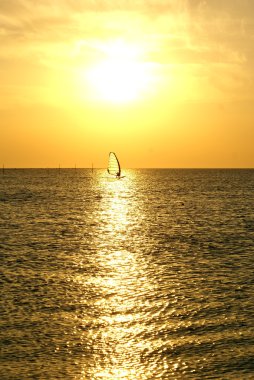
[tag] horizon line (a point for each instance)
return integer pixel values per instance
(127, 168)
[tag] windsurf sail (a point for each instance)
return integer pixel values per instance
(114, 165)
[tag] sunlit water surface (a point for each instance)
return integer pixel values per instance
(148, 277)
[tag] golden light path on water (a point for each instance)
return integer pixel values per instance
(123, 282)
(123, 277)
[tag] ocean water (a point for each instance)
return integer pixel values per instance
(147, 277)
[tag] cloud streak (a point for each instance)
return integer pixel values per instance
(212, 37)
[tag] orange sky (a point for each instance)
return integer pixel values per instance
(161, 83)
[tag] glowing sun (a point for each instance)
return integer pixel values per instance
(121, 77)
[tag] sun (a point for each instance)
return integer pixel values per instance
(121, 76)
(118, 81)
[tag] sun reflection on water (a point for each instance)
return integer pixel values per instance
(125, 320)
(119, 280)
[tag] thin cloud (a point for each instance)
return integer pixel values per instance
(190, 33)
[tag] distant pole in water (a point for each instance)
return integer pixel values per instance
(3, 168)
(92, 167)
(59, 167)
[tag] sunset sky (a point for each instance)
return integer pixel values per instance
(161, 83)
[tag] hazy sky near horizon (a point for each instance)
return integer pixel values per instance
(161, 83)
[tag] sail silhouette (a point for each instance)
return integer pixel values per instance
(114, 165)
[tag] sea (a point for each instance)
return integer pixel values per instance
(146, 277)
